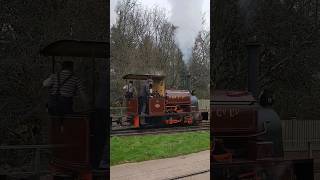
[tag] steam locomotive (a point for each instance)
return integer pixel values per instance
(164, 107)
(246, 135)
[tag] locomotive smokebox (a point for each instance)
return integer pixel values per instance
(253, 52)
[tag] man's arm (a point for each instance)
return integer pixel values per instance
(48, 81)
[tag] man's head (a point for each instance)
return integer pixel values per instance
(130, 82)
(67, 65)
(150, 81)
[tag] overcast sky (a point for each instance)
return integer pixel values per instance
(186, 14)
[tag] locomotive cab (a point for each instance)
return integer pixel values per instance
(155, 103)
(81, 135)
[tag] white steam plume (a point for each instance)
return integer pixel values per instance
(187, 15)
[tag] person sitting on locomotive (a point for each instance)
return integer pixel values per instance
(145, 94)
(129, 90)
(63, 86)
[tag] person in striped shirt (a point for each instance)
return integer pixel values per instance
(63, 86)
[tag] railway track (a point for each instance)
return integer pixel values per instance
(204, 126)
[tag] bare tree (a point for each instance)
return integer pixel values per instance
(142, 41)
(200, 64)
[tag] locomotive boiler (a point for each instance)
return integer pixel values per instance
(246, 134)
(164, 106)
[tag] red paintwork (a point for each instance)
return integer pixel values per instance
(132, 105)
(75, 135)
(132, 112)
(172, 121)
(136, 121)
(234, 119)
(233, 112)
(175, 102)
(178, 97)
(156, 106)
(187, 120)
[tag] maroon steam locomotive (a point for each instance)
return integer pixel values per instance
(164, 107)
(246, 135)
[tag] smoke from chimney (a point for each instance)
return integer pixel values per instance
(187, 16)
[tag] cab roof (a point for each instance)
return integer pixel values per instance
(76, 48)
(143, 76)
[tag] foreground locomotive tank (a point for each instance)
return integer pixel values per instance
(246, 135)
(247, 140)
(238, 116)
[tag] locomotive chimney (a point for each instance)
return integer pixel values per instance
(253, 50)
(188, 81)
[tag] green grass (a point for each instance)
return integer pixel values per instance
(142, 148)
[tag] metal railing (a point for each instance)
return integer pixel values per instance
(119, 111)
(298, 135)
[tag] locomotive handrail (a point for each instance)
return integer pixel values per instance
(264, 131)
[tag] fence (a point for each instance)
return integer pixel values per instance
(297, 134)
(118, 111)
(204, 104)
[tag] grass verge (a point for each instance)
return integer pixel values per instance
(148, 147)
